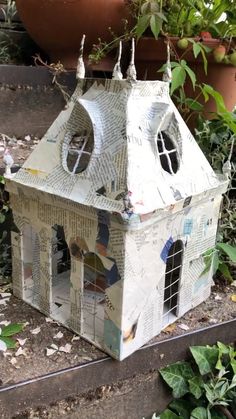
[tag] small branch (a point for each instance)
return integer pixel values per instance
(225, 411)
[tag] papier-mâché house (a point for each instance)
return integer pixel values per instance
(115, 208)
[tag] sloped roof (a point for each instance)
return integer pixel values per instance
(126, 119)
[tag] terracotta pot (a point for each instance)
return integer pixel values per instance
(57, 26)
(151, 54)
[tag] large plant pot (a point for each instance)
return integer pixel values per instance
(57, 26)
(151, 54)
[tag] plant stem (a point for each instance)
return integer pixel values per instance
(225, 411)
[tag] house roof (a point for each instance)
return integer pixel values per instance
(143, 156)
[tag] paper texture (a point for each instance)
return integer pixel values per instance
(115, 209)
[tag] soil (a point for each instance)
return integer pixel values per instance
(35, 359)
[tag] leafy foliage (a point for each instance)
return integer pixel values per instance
(210, 391)
(6, 340)
(184, 17)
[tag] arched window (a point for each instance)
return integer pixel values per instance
(61, 270)
(172, 281)
(168, 153)
(31, 265)
(79, 151)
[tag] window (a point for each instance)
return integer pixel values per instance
(172, 281)
(31, 265)
(167, 152)
(79, 151)
(61, 270)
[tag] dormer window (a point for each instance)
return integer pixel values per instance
(168, 153)
(79, 151)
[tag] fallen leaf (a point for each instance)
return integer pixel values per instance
(75, 338)
(66, 348)
(53, 346)
(183, 326)
(50, 351)
(5, 322)
(21, 341)
(233, 298)
(35, 331)
(59, 335)
(20, 352)
(4, 301)
(13, 361)
(3, 346)
(5, 294)
(169, 328)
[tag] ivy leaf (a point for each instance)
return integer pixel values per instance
(229, 250)
(168, 414)
(182, 407)
(178, 78)
(177, 376)
(199, 413)
(196, 386)
(205, 357)
(11, 329)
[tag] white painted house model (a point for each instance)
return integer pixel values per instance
(115, 208)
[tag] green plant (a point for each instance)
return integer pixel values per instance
(219, 259)
(6, 333)
(204, 388)
(184, 17)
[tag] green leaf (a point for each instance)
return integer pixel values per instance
(196, 386)
(224, 269)
(205, 357)
(181, 407)
(11, 329)
(194, 105)
(229, 250)
(155, 25)
(142, 25)
(199, 413)
(196, 49)
(168, 414)
(2, 218)
(178, 78)
(191, 75)
(177, 376)
(233, 365)
(11, 344)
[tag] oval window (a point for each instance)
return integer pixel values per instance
(167, 152)
(79, 151)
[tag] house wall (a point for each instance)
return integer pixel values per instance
(134, 262)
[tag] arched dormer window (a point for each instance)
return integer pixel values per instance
(79, 151)
(78, 143)
(167, 152)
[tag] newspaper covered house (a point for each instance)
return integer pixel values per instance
(115, 208)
